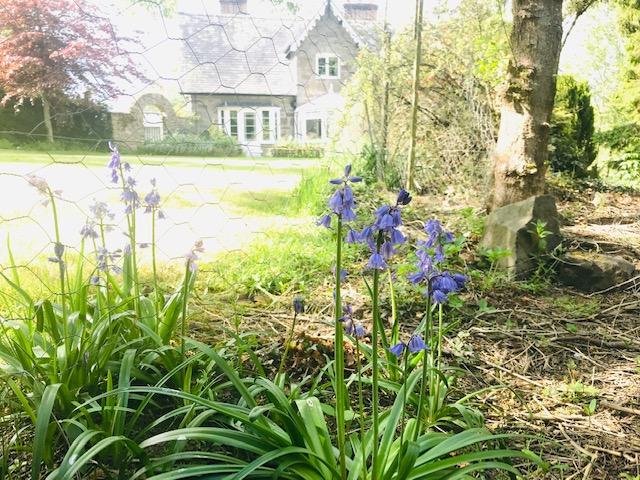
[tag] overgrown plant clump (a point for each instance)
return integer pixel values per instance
(104, 374)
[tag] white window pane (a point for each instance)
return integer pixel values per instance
(313, 128)
(233, 124)
(322, 66)
(266, 125)
(250, 126)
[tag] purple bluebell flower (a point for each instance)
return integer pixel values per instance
(439, 297)
(376, 261)
(436, 235)
(416, 344)
(88, 231)
(460, 279)
(398, 349)
(343, 273)
(324, 221)
(298, 305)
(359, 331)
(342, 202)
(58, 252)
(387, 250)
(106, 260)
(152, 200)
(347, 318)
(114, 163)
(346, 178)
(192, 255)
(126, 249)
(404, 197)
(352, 236)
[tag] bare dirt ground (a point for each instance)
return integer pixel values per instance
(559, 365)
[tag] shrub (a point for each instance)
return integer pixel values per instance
(212, 144)
(297, 150)
(572, 128)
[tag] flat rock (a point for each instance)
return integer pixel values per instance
(593, 272)
(512, 227)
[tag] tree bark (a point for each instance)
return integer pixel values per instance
(411, 161)
(46, 110)
(521, 152)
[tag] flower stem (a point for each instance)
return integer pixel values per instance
(286, 346)
(154, 267)
(339, 355)
(404, 408)
(375, 373)
(63, 293)
(361, 411)
(425, 366)
(185, 293)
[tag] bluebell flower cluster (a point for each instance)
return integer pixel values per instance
(342, 203)
(384, 234)
(439, 284)
(152, 200)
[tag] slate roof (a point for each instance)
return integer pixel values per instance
(241, 54)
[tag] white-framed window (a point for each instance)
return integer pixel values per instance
(314, 129)
(327, 65)
(153, 124)
(250, 125)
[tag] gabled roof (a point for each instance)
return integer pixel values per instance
(241, 54)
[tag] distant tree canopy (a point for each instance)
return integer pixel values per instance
(572, 128)
(52, 49)
(464, 59)
(75, 121)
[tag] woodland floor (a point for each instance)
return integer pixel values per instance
(547, 352)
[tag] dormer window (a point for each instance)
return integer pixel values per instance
(327, 66)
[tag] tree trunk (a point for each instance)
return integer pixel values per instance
(46, 110)
(411, 162)
(521, 152)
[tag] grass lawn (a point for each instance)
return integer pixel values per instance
(95, 159)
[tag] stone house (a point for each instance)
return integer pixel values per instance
(260, 80)
(266, 80)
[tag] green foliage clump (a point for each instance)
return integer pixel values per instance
(572, 128)
(297, 150)
(74, 121)
(209, 144)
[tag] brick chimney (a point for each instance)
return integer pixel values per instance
(361, 11)
(233, 7)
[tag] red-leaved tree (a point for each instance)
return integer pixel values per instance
(53, 48)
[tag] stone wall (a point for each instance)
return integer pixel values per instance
(328, 37)
(128, 128)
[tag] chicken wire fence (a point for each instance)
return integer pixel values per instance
(232, 109)
(236, 103)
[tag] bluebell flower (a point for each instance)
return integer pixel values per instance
(114, 163)
(347, 318)
(58, 252)
(387, 250)
(404, 197)
(343, 273)
(352, 236)
(342, 202)
(416, 344)
(192, 256)
(376, 261)
(460, 279)
(398, 349)
(107, 260)
(436, 235)
(88, 231)
(359, 331)
(152, 200)
(445, 283)
(298, 305)
(346, 178)
(324, 221)
(439, 297)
